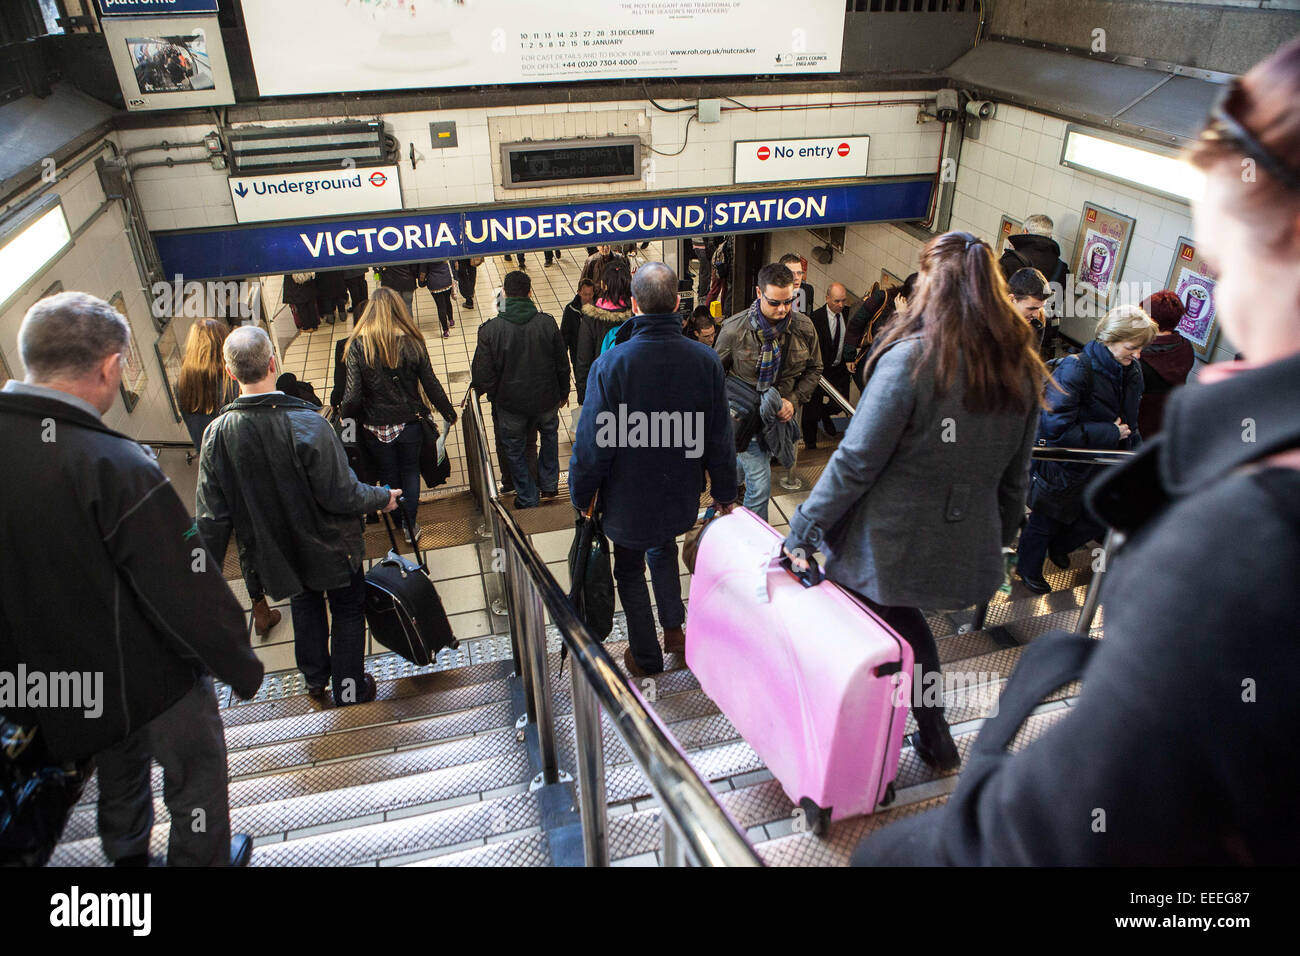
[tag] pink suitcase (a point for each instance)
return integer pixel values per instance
(815, 682)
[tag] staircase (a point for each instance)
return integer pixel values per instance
(434, 771)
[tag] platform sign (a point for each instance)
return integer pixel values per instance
(331, 192)
(418, 236)
(785, 160)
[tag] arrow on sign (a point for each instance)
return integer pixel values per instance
(241, 191)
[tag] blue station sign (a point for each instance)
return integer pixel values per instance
(421, 236)
(154, 8)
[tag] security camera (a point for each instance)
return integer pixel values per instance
(947, 106)
(980, 109)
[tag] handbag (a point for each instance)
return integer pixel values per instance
(590, 574)
(435, 466)
(743, 406)
(36, 796)
(691, 540)
(359, 460)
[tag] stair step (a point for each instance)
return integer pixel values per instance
(531, 850)
(338, 809)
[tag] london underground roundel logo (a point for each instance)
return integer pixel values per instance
(843, 149)
(378, 179)
(764, 152)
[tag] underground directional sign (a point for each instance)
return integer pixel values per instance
(328, 192)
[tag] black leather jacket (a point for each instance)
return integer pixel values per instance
(274, 472)
(375, 395)
(98, 575)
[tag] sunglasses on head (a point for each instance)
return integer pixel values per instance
(1225, 127)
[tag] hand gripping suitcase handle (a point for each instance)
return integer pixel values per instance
(809, 578)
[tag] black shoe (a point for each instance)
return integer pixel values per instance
(316, 690)
(241, 849)
(548, 495)
(367, 694)
(1037, 585)
(469, 303)
(1059, 558)
(810, 446)
(136, 859)
(942, 754)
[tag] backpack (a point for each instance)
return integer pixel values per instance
(607, 342)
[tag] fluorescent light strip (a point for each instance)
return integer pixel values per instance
(1147, 170)
(27, 254)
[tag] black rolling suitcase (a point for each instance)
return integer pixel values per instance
(403, 609)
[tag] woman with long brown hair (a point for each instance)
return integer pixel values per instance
(203, 389)
(387, 364)
(929, 482)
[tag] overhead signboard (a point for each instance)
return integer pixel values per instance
(154, 8)
(169, 62)
(418, 237)
(783, 160)
(397, 44)
(334, 192)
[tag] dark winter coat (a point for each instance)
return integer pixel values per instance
(99, 574)
(520, 363)
(400, 278)
(390, 396)
(298, 293)
(437, 275)
(331, 286)
(1166, 363)
(570, 324)
(274, 473)
(1184, 733)
(1082, 413)
(1029, 251)
(596, 324)
(650, 495)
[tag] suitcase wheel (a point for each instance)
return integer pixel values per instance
(890, 794)
(819, 818)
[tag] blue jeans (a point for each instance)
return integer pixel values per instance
(332, 653)
(512, 432)
(754, 468)
(629, 575)
(398, 464)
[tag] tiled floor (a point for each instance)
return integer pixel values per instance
(311, 355)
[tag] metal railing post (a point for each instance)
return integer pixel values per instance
(674, 850)
(1092, 599)
(532, 640)
(515, 605)
(590, 751)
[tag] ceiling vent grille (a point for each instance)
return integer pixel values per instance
(305, 148)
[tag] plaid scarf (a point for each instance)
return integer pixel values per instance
(769, 359)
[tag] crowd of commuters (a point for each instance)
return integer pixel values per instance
(1182, 732)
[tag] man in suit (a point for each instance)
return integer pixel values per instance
(831, 324)
(803, 292)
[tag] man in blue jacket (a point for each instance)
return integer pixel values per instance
(654, 423)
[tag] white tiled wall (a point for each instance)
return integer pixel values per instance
(100, 262)
(1014, 169)
(192, 196)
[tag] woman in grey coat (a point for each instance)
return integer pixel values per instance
(930, 481)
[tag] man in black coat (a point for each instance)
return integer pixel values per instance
(1034, 249)
(102, 576)
(804, 295)
(831, 324)
(273, 472)
(650, 477)
(522, 367)
(571, 321)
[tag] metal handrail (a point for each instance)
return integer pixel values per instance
(695, 824)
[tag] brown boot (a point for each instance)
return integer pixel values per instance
(264, 618)
(674, 640)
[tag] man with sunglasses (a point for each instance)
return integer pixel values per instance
(770, 345)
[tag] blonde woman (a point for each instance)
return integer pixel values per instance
(1094, 404)
(202, 389)
(387, 363)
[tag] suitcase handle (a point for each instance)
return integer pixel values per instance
(810, 578)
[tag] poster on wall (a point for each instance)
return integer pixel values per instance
(1194, 282)
(1100, 250)
(166, 63)
(357, 45)
(1007, 228)
(134, 377)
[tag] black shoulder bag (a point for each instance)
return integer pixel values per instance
(36, 796)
